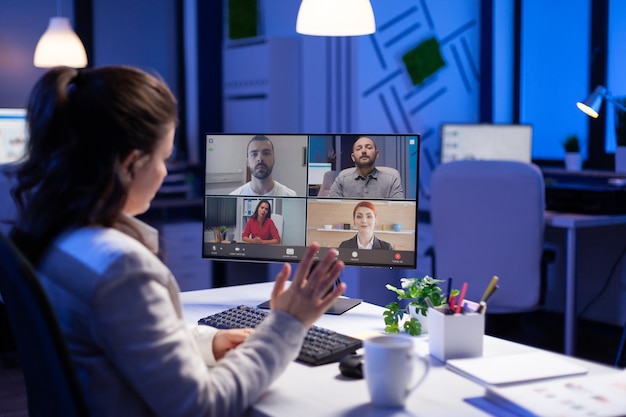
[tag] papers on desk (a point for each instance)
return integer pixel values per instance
(599, 395)
(513, 369)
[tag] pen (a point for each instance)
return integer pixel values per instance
(494, 289)
(482, 308)
(461, 297)
(493, 282)
(449, 290)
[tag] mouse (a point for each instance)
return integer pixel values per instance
(351, 366)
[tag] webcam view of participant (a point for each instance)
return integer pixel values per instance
(365, 180)
(260, 228)
(260, 160)
(364, 217)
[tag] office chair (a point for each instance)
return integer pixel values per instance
(487, 219)
(279, 222)
(327, 182)
(52, 385)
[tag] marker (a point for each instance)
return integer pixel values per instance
(461, 297)
(451, 305)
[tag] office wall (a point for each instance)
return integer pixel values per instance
(141, 33)
(21, 25)
(123, 34)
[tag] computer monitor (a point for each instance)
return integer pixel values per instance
(486, 141)
(302, 217)
(13, 134)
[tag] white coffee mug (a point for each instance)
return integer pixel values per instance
(390, 369)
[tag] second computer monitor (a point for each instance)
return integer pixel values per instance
(486, 141)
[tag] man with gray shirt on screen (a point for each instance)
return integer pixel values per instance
(365, 180)
(260, 160)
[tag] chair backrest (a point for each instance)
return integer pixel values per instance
(487, 219)
(52, 385)
(327, 182)
(279, 222)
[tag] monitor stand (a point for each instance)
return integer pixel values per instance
(340, 306)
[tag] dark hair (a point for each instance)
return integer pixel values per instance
(259, 138)
(82, 124)
(256, 211)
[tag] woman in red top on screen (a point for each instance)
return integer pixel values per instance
(260, 227)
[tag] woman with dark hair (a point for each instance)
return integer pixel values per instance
(364, 216)
(260, 227)
(99, 142)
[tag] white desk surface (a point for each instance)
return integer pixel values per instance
(305, 391)
(579, 221)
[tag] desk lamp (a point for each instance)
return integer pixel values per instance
(335, 18)
(591, 105)
(59, 45)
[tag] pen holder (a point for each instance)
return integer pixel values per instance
(455, 336)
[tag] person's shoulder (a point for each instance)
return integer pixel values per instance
(239, 190)
(347, 172)
(350, 243)
(382, 244)
(388, 171)
(283, 190)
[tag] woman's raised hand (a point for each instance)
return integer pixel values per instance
(308, 296)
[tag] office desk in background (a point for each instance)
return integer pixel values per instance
(572, 222)
(305, 391)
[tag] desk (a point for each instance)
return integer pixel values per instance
(321, 391)
(572, 222)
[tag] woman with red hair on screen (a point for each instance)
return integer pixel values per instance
(364, 216)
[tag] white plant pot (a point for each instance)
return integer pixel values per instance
(620, 159)
(573, 161)
(421, 318)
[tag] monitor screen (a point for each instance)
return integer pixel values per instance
(263, 199)
(13, 134)
(486, 141)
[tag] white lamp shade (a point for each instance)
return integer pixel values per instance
(591, 105)
(335, 18)
(59, 45)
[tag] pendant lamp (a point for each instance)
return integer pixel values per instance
(335, 18)
(59, 45)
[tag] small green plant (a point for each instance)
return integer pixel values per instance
(571, 144)
(417, 290)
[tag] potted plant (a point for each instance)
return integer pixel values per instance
(620, 135)
(416, 290)
(573, 159)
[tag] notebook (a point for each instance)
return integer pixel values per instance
(598, 395)
(516, 368)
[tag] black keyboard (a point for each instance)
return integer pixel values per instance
(320, 346)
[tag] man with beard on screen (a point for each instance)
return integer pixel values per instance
(365, 180)
(260, 157)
